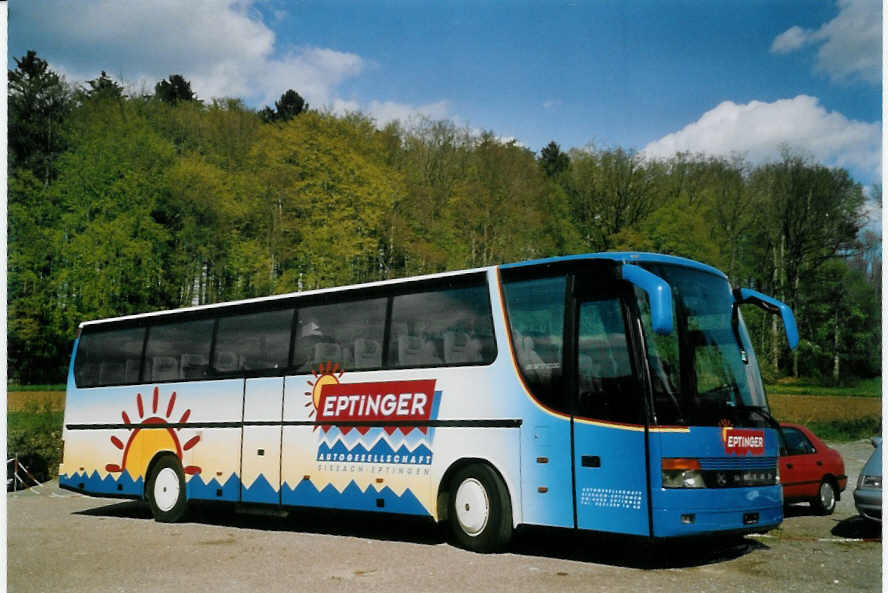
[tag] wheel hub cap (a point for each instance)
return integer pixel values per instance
(166, 489)
(472, 506)
(826, 496)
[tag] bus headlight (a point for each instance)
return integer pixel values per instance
(682, 473)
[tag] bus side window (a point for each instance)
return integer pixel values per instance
(253, 341)
(349, 334)
(178, 351)
(111, 357)
(449, 326)
(536, 320)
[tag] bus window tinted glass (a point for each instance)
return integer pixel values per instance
(606, 386)
(178, 351)
(536, 318)
(109, 357)
(442, 327)
(349, 334)
(253, 342)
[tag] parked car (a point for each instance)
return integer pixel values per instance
(868, 494)
(809, 470)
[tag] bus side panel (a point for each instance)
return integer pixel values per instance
(713, 509)
(498, 447)
(546, 487)
(369, 468)
(113, 433)
(397, 467)
(611, 483)
(261, 446)
(215, 449)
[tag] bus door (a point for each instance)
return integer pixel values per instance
(261, 440)
(611, 491)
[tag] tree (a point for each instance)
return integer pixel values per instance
(812, 214)
(286, 108)
(552, 160)
(39, 103)
(104, 88)
(174, 89)
(321, 196)
(610, 190)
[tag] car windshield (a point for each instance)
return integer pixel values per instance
(704, 373)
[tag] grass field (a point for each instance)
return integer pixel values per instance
(11, 388)
(865, 388)
(31, 401)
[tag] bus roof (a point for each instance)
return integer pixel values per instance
(626, 257)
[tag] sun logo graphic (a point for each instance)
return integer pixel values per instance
(395, 405)
(327, 374)
(146, 438)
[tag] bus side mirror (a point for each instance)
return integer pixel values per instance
(744, 296)
(659, 294)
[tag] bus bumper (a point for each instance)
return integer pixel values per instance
(707, 511)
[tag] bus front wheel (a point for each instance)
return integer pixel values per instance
(480, 513)
(166, 491)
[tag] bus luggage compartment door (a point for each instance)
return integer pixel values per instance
(261, 443)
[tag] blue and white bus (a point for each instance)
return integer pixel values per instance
(614, 392)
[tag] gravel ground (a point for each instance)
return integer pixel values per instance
(60, 541)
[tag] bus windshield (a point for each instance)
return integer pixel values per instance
(704, 373)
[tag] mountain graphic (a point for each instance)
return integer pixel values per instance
(199, 490)
(123, 485)
(352, 498)
(304, 494)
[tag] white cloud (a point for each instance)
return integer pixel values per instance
(849, 46)
(551, 103)
(790, 40)
(221, 46)
(758, 129)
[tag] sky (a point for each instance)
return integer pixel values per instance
(721, 77)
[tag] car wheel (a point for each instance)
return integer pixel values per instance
(480, 513)
(825, 501)
(166, 491)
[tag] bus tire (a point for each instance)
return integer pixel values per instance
(480, 511)
(166, 490)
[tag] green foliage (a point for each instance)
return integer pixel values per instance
(286, 108)
(39, 104)
(123, 204)
(862, 388)
(35, 437)
(553, 160)
(847, 430)
(174, 89)
(104, 88)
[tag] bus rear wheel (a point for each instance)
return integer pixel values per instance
(480, 513)
(166, 491)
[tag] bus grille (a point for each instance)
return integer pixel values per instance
(737, 463)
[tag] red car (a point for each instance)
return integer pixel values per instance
(809, 470)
